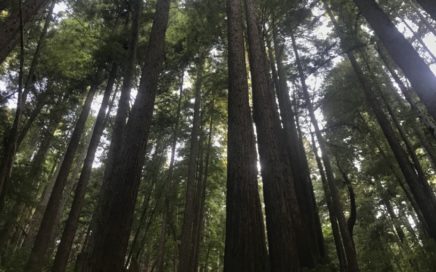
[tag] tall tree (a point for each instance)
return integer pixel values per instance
(245, 248)
(112, 231)
(64, 248)
(402, 52)
(46, 232)
(281, 204)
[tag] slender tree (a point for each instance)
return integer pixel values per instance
(112, 231)
(46, 232)
(64, 248)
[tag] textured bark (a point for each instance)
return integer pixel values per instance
(402, 52)
(64, 248)
(313, 238)
(113, 228)
(245, 248)
(283, 215)
(429, 6)
(46, 232)
(10, 28)
(188, 251)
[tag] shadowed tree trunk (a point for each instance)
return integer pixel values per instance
(10, 144)
(113, 228)
(245, 248)
(64, 248)
(402, 52)
(188, 251)
(46, 232)
(283, 217)
(10, 28)
(300, 168)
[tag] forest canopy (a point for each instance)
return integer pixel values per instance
(202, 135)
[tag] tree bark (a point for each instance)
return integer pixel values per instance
(313, 237)
(245, 247)
(188, 251)
(10, 28)
(283, 216)
(113, 229)
(46, 232)
(64, 248)
(402, 52)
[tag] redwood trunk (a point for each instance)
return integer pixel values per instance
(283, 215)
(188, 251)
(113, 229)
(245, 248)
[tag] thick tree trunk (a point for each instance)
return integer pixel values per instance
(38, 256)
(113, 228)
(188, 251)
(10, 28)
(283, 216)
(64, 248)
(402, 52)
(245, 248)
(429, 6)
(313, 236)
(106, 192)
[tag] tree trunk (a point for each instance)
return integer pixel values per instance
(113, 228)
(64, 248)
(429, 6)
(347, 239)
(283, 216)
(10, 148)
(313, 236)
(340, 251)
(245, 248)
(402, 52)
(10, 28)
(188, 251)
(46, 232)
